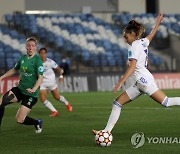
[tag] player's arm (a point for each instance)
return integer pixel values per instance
(38, 83)
(40, 71)
(60, 72)
(36, 86)
(127, 74)
(154, 30)
(8, 74)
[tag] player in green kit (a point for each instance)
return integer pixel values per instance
(31, 75)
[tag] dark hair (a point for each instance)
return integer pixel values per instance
(42, 49)
(134, 26)
(32, 38)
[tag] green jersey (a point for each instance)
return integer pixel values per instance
(29, 68)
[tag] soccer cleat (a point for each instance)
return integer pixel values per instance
(54, 114)
(69, 108)
(38, 127)
(94, 131)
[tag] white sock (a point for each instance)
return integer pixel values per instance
(49, 106)
(171, 101)
(114, 116)
(63, 100)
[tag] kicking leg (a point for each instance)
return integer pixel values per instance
(127, 96)
(116, 110)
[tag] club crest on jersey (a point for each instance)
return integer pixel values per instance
(22, 62)
(30, 99)
(41, 69)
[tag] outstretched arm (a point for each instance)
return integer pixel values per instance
(8, 74)
(154, 30)
(36, 86)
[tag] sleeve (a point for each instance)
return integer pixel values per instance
(145, 42)
(54, 64)
(40, 68)
(17, 65)
(133, 53)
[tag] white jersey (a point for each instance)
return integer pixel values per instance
(144, 81)
(139, 51)
(49, 75)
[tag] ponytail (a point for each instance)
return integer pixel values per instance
(134, 26)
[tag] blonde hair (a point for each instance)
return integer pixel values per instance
(134, 26)
(32, 38)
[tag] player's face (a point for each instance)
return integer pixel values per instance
(31, 48)
(129, 37)
(43, 55)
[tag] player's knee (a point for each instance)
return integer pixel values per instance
(19, 120)
(165, 102)
(7, 98)
(57, 98)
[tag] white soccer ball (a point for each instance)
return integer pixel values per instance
(103, 138)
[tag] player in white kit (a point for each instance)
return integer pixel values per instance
(145, 83)
(49, 83)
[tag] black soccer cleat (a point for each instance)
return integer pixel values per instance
(38, 127)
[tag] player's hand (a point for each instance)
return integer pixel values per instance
(60, 80)
(29, 90)
(117, 87)
(160, 17)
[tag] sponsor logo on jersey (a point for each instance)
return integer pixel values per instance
(27, 74)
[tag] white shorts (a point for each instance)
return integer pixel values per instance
(142, 87)
(48, 86)
(128, 83)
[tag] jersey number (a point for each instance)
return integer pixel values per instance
(146, 61)
(24, 69)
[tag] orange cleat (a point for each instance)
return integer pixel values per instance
(94, 131)
(54, 114)
(69, 108)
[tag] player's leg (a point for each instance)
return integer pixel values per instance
(47, 103)
(127, 96)
(61, 98)
(23, 111)
(8, 98)
(161, 98)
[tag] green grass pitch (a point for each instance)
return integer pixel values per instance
(71, 132)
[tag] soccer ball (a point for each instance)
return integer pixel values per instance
(103, 138)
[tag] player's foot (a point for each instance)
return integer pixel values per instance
(38, 127)
(54, 114)
(69, 108)
(94, 131)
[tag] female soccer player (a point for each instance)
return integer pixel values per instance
(31, 76)
(145, 83)
(49, 83)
